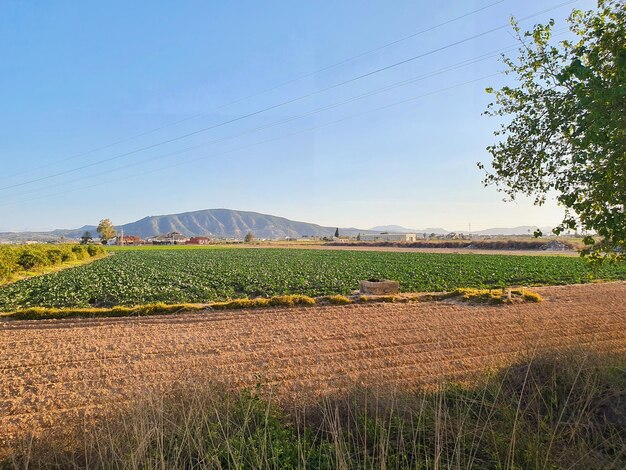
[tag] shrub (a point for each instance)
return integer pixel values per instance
(67, 256)
(31, 259)
(5, 270)
(94, 250)
(55, 256)
(80, 251)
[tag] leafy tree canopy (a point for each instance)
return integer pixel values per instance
(565, 125)
(106, 230)
(86, 238)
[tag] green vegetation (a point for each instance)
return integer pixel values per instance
(135, 277)
(548, 412)
(564, 124)
(106, 230)
(496, 296)
(26, 260)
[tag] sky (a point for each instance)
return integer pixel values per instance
(122, 110)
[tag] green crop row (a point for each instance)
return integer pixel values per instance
(136, 277)
(17, 259)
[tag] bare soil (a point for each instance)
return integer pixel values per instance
(407, 249)
(55, 370)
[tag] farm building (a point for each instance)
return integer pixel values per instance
(389, 237)
(199, 241)
(172, 238)
(127, 240)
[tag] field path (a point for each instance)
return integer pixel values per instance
(51, 370)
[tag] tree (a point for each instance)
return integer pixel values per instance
(86, 238)
(249, 237)
(566, 125)
(358, 237)
(106, 230)
(337, 232)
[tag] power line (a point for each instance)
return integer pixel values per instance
(406, 82)
(267, 90)
(284, 103)
(455, 66)
(381, 108)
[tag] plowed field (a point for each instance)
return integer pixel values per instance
(54, 370)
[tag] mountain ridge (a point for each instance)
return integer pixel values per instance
(229, 223)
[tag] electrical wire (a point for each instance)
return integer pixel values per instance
(381, 108)
(267, 90)
(284, 103)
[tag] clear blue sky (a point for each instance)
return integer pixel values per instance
(79, 76)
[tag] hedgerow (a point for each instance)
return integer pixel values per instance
(18, 259)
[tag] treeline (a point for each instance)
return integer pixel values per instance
(18, 259)
(510, 244)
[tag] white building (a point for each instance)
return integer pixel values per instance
(389, 237)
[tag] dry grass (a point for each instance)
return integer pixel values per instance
(57, 371)
(337, 300)
(495, 296)
(544, 411)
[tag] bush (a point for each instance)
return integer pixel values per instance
(5, 270)
(14, 259)
(54, 256)
(80, 251)
(31, 259)
(67, 256)
(94, 250)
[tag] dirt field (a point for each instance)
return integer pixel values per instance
(52, 370)
(400, 249)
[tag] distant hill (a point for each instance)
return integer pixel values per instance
(219, 223)
(227, 223)
(521, 230)
(400, 229)
(393, 229)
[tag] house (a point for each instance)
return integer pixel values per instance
(389, 237)
(172, 238)
(127, 240)
(199, 241)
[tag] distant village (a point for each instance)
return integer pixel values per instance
(177, 238)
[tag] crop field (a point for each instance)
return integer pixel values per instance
(55, 371)
(131, 277)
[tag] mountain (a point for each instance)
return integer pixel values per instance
(401, 229)
(393, 229)
(226, 223)
(219, 223)
(521, 230)
(435, 230)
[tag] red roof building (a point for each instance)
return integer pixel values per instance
(199, 241)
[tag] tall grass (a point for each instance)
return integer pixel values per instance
(548, 412)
